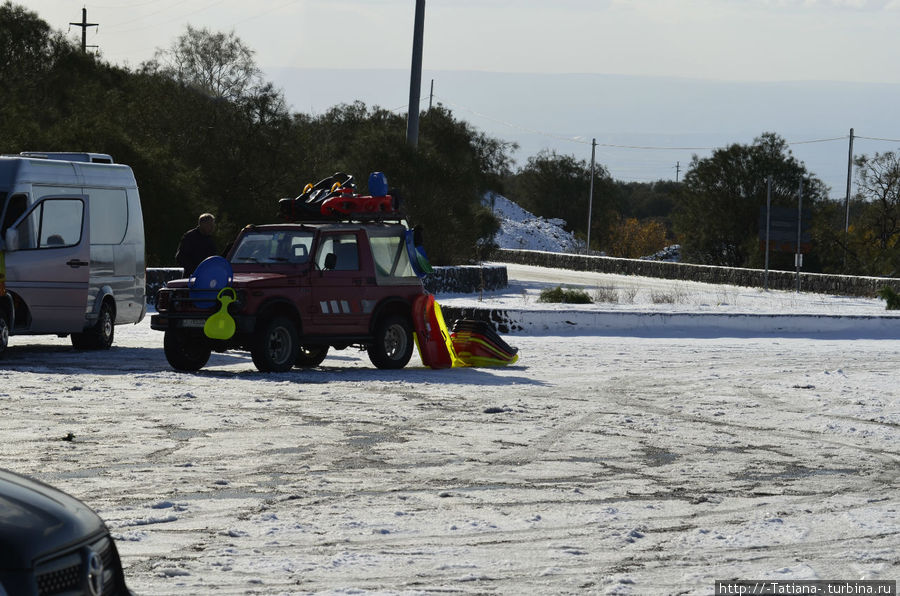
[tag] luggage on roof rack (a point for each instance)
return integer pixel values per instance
(335, 197)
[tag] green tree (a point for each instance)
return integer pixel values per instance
(717, 214)
(874, 239)
(27, 46)
(441, 183)
(233, 149)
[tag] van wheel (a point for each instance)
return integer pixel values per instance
(311, 356)
(185, 351)
(4, 331)
(100, 336)
(393, 343)
(275, 346)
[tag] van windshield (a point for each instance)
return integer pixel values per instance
(273, 247)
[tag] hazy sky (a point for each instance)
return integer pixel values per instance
(756, 40)
(732, 45)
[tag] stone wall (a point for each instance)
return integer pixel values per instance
(841, 285)
(466, 279)
(469, 279)
(157, 278)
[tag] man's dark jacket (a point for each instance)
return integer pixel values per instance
(194, 247)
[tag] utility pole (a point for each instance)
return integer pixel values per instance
(849, 175)
(84, 25)
(768, 227)
(677, 170)
(591, 194)
(431, 95)
(798, 258)
(415, 77)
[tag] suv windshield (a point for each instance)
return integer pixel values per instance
(277, 246)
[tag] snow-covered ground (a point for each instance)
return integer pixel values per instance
(610, 292)
(599, 463)
(607, 460)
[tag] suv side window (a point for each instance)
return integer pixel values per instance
(338, 252)
(389, 253)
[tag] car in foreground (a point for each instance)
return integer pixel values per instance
(53, 544)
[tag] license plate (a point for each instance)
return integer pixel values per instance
(193, 323)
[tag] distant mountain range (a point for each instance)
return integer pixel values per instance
(648, 128)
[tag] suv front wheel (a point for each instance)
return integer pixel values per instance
(186, 351)
(275, 346)
(393, 343)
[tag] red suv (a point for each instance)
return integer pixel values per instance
(300, 288)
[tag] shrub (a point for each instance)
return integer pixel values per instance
(564, 296)
(606, 294)
(888, 294)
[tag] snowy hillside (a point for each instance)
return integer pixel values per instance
(520, 229)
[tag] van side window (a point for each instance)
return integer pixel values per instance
(54, 223)
(109, 215)
(14, 210)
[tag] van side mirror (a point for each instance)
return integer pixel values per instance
(12, 239)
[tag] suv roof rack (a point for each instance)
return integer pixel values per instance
(69, 156)
(334, 199)
(356, 219)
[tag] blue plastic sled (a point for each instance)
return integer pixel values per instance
(213, 274)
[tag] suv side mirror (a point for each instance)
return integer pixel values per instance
(12, 239)
(330, 261)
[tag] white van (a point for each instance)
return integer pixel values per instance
(71, 247)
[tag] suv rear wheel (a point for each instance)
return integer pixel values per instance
(186, 351)
(393, 343)
(276, 345)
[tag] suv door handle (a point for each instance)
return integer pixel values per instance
(75, 263)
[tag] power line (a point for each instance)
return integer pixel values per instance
(582, 140)
(877, 139)
(166, 22)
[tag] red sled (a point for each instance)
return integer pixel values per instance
(432, 337)
(347, 203)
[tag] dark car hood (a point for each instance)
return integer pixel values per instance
(36, 518)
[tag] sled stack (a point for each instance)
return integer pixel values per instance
(477, 344)
(335, 197)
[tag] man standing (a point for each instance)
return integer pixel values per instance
(197, 244)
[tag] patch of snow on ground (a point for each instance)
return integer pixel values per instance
(595, 464)
(520, 229)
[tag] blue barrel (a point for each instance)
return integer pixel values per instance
(378, 186)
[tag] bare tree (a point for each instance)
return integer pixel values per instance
(217, 63)
(878, 183)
